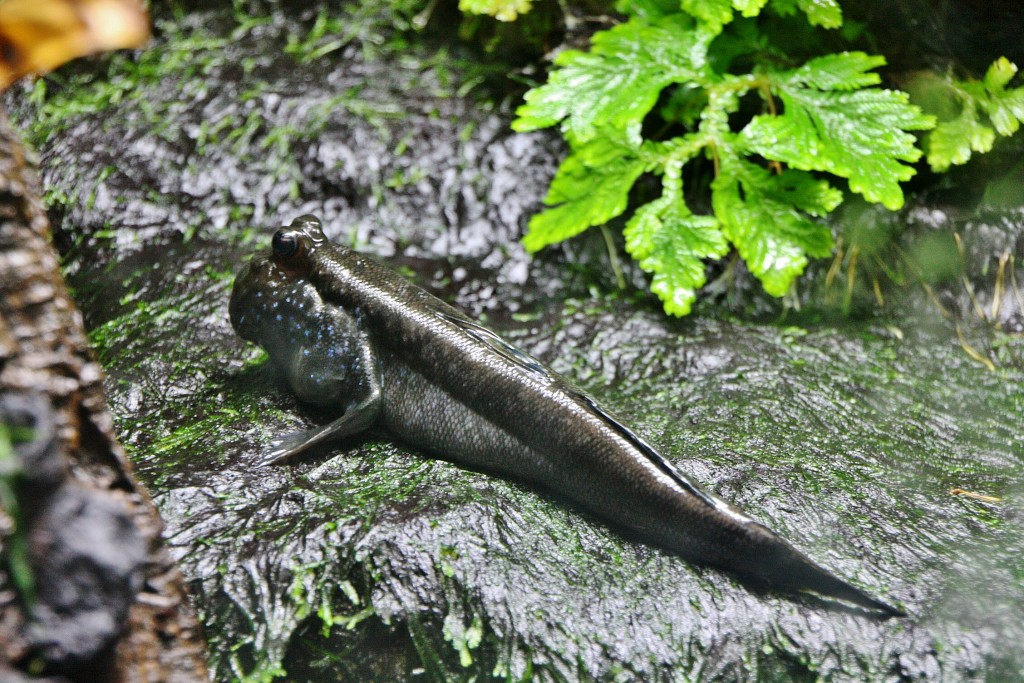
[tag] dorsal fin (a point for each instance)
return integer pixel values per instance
(535, 368)
(654, 456)
(514, 354)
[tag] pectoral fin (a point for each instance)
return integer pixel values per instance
(357, 418)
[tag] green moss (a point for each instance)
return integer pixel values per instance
(846, 439)
(67, 96)
(14, 550)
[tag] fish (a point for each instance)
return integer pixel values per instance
(354, 338)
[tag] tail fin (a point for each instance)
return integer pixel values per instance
(782, 566)
(808, 576)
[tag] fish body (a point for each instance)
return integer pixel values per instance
(350, 334)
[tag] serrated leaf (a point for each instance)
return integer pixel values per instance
(681, 245)
(824, 13)
(953, 141)
(672, 243)
(714, 13)
(999, 73)
(1007, 112)
(840, 71)
(717, 13)
(1004, 107)
(764, 216)
(502, 10)
(749, 8)
(618, 81)
(859, 135)
(590, 188)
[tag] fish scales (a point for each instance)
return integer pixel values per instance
(386, 353)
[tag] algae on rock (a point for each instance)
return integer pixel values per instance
(367, 559)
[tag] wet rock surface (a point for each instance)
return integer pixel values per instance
(83, 552)
(366, 559)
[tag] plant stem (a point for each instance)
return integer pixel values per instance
(613, 256)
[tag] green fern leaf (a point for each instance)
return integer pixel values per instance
(1005, 107)
(717, 13)
(855, 134)
(749, 8)
(824, 13)
(502, 10)
(590, 188)
(714, 13)
(952, 142)
(1007, 111)
(955, 139)
(765, 216)
(839, 71)
(672, 243)
(999, 74)
(618, 82)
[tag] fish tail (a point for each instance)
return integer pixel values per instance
(774, 561)
(808, 576)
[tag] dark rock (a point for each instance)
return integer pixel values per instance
(83, 549)
(87, 560)
(40, 466)
(369, 561)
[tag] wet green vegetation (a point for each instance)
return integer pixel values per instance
(12, 474)
(842, 439)
(843, 423)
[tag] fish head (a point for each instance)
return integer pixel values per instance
(274, 304)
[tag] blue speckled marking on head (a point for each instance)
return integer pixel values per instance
(315, 345)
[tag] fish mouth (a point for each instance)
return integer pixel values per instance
(241, 302)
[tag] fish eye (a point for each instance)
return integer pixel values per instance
(307, 222)
(311, 226)
(285, 243)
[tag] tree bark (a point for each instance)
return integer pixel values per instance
(44, 353)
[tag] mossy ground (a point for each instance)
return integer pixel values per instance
(366, 560)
